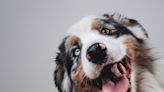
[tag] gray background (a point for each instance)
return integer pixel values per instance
(30, 31)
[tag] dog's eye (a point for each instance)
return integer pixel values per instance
(76, 52)
(106, 31)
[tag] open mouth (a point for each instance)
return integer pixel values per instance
(113, 74)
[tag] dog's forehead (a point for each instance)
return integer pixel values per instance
(85, 25)
(88, 25)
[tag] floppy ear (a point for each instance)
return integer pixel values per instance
(136, 28)
(61, 77)
(59, 72)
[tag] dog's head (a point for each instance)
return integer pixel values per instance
(99, 49)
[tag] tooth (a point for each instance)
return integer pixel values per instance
(116, 71)
(127, 63)
(123, 63)
(122, 68)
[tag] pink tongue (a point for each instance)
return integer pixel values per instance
(121, 86)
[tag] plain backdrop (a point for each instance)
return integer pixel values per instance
(31, 30)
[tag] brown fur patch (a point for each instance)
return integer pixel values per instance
(73, 40)
(141, 60)
(138, 54)
(80, 82)
(96, 24)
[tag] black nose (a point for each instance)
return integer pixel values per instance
(97, 53)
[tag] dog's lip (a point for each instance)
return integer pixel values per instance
(118, 69)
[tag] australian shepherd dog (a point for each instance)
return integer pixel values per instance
(107, 53)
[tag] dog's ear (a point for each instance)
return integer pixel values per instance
(61, 77)
(59, 72)
(133, 25)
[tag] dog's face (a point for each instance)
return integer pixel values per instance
(98, 50)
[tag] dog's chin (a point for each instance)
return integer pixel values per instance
(113, 74)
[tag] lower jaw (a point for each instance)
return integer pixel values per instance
(115, 86)
(107, 76)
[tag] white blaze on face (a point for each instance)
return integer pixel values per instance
(115, 48)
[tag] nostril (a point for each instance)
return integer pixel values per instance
(96, 53)
(102, 46)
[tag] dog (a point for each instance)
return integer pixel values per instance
(107, 53)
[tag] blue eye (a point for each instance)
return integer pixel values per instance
(76, 52)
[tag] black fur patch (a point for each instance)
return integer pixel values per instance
(63, 65)
(121, 30)
(124, 31)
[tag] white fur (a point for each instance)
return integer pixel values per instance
(133, 78)
(149, 83)
(159, 73)
(66, 83)
(138, 31)
(81, 28)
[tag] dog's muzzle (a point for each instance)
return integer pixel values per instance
(111, 72)
(97, 53)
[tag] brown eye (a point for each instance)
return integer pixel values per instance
(105, 31)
